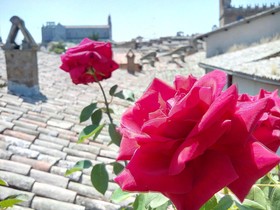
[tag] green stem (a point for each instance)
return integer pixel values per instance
(106, 102)
(91, 71)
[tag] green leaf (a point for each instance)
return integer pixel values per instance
(113, 90)
(252, 205)
(87, 111)
(126, 95)
(117, 168)
(80, 165)
(225, 203)
(96, 117)
(257, 195)
(240, 206)
(210, 204)
(119, 195)
(89, 131)
(140, 202)
(12, 200)
(275, 198)
(158, 200)
(114, 134)
(100, 178)
(3, 182)
(98, 131)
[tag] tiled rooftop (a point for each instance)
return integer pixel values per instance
(261, 60)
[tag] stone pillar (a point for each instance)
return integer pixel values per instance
(130, 62)
(21, 61)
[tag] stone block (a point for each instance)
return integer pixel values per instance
(17, 181)
(5, 192)
(49, 204)
(57, 193)
(14, 167)
(22, 79)
(48, 178)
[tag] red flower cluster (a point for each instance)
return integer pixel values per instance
(191, 140)
(89, 61)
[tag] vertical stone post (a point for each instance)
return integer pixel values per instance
(21, 61)
(130, 62)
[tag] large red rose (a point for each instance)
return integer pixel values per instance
(87, 58)
(191, 140)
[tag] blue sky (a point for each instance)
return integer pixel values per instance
(130, 18)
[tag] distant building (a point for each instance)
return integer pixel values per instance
(75, 33)
(253, 29)
(229, 14)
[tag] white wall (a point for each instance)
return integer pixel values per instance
(245, 33)
(251, 86)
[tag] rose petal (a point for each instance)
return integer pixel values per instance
(251, 163)
(188, 190)
(216, 80)
(222, 108)
(183, 83)
(212, 172)
(194, 146)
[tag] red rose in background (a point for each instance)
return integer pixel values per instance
(268, 128)
(87, 58)
(191, 140)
